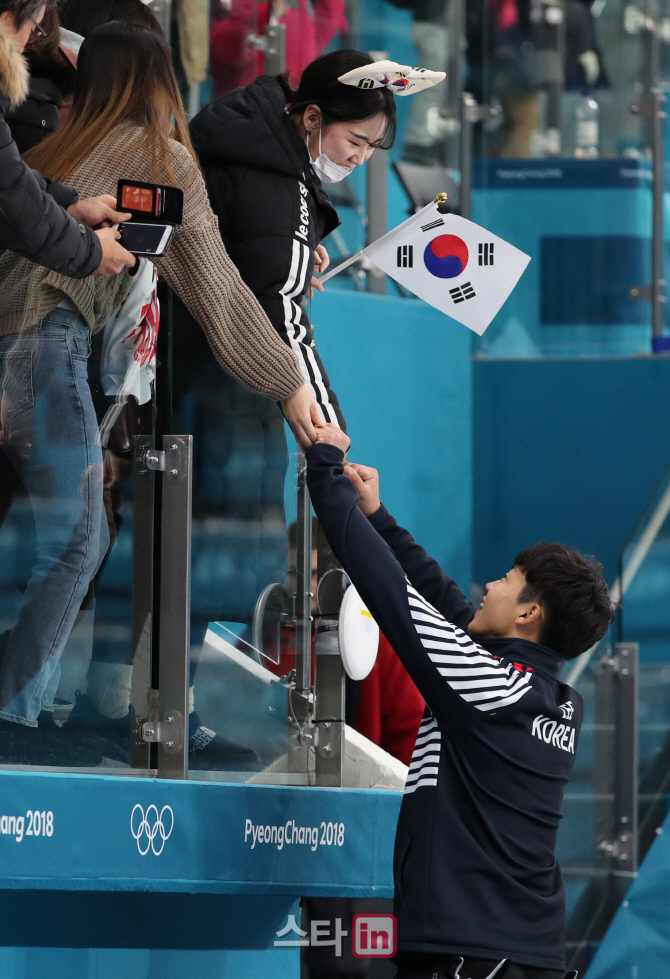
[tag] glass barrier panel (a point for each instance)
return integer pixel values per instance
(645, 620)
(76, 545)
(244, 702)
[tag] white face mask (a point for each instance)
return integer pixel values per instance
(327, 171)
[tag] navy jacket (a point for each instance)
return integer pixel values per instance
(474, 864)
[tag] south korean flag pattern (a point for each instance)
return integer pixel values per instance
(453, 264)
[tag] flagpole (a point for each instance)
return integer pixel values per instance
(342, 266)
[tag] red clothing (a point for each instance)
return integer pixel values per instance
(391, 707)
(506, 12)
(309, 31)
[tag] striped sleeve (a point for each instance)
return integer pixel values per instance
(425, 763)
(470, 671)
(296, 329)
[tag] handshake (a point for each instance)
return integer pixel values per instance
(364, 479)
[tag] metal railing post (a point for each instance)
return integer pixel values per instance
(615, 760)
(143, 597)
(652, 106)
(329, 682)
(300, 735)
(272, 42)
(377, 192)
(162, 11)
(169, 730)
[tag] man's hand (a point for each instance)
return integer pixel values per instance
(302, 413)
(333, 435)
(366, 481)
(98, 212)
(114, 256)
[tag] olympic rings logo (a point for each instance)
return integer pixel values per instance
(152, 826)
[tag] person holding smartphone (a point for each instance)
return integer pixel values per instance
(41, 219)
(120, 127)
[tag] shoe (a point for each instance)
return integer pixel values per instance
(112, 736)
(45, 746)
(208, 751)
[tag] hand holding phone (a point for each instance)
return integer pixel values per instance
(155, 210)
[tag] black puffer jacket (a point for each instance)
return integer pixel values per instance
(51, 80)
(32, 220)
(272, 211)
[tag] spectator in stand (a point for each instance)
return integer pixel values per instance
(83, 16)
(52, 65)
(310, 27)
(120, 126)
(583, 59)
(33, 218)
(499, 65)
(425, 136)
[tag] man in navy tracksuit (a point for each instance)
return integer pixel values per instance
(474, 864)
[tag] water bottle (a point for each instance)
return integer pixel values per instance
(586, 117)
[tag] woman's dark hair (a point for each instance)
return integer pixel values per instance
(124, 75)
(83, 16)
(23, 10)
(573, 594)
(49, 44)
(338, 102)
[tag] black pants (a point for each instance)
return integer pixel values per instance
(419, 966)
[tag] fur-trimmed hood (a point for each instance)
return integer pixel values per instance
(14, 74)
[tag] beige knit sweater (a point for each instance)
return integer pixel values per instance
(196, 266)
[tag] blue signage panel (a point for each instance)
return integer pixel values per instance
(96, 832)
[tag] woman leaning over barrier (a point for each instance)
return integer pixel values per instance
(120, 127)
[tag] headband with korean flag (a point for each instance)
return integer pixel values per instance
(399, 79)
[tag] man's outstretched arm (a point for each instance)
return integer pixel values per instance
(451, 671)
(422, 570)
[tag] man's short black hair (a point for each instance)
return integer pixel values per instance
(572, 592)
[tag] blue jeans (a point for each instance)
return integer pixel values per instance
(49, 431)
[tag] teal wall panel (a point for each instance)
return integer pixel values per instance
(216, 838)
(402, 371)
(566, 450)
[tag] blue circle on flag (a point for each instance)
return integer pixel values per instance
(446, 256)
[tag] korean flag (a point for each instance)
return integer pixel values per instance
(451, 263)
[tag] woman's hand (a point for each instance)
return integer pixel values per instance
(321, 259)
(303, 415)
(321, 263)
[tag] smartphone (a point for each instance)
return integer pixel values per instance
(150, 202)
(146, 239)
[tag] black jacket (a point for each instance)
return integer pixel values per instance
(32, 220)
(51, 80)
(475, 870)
(272, 211)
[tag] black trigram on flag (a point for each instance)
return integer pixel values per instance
(486, 254)
(461, 293)
(433, 224)
(405, 256)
